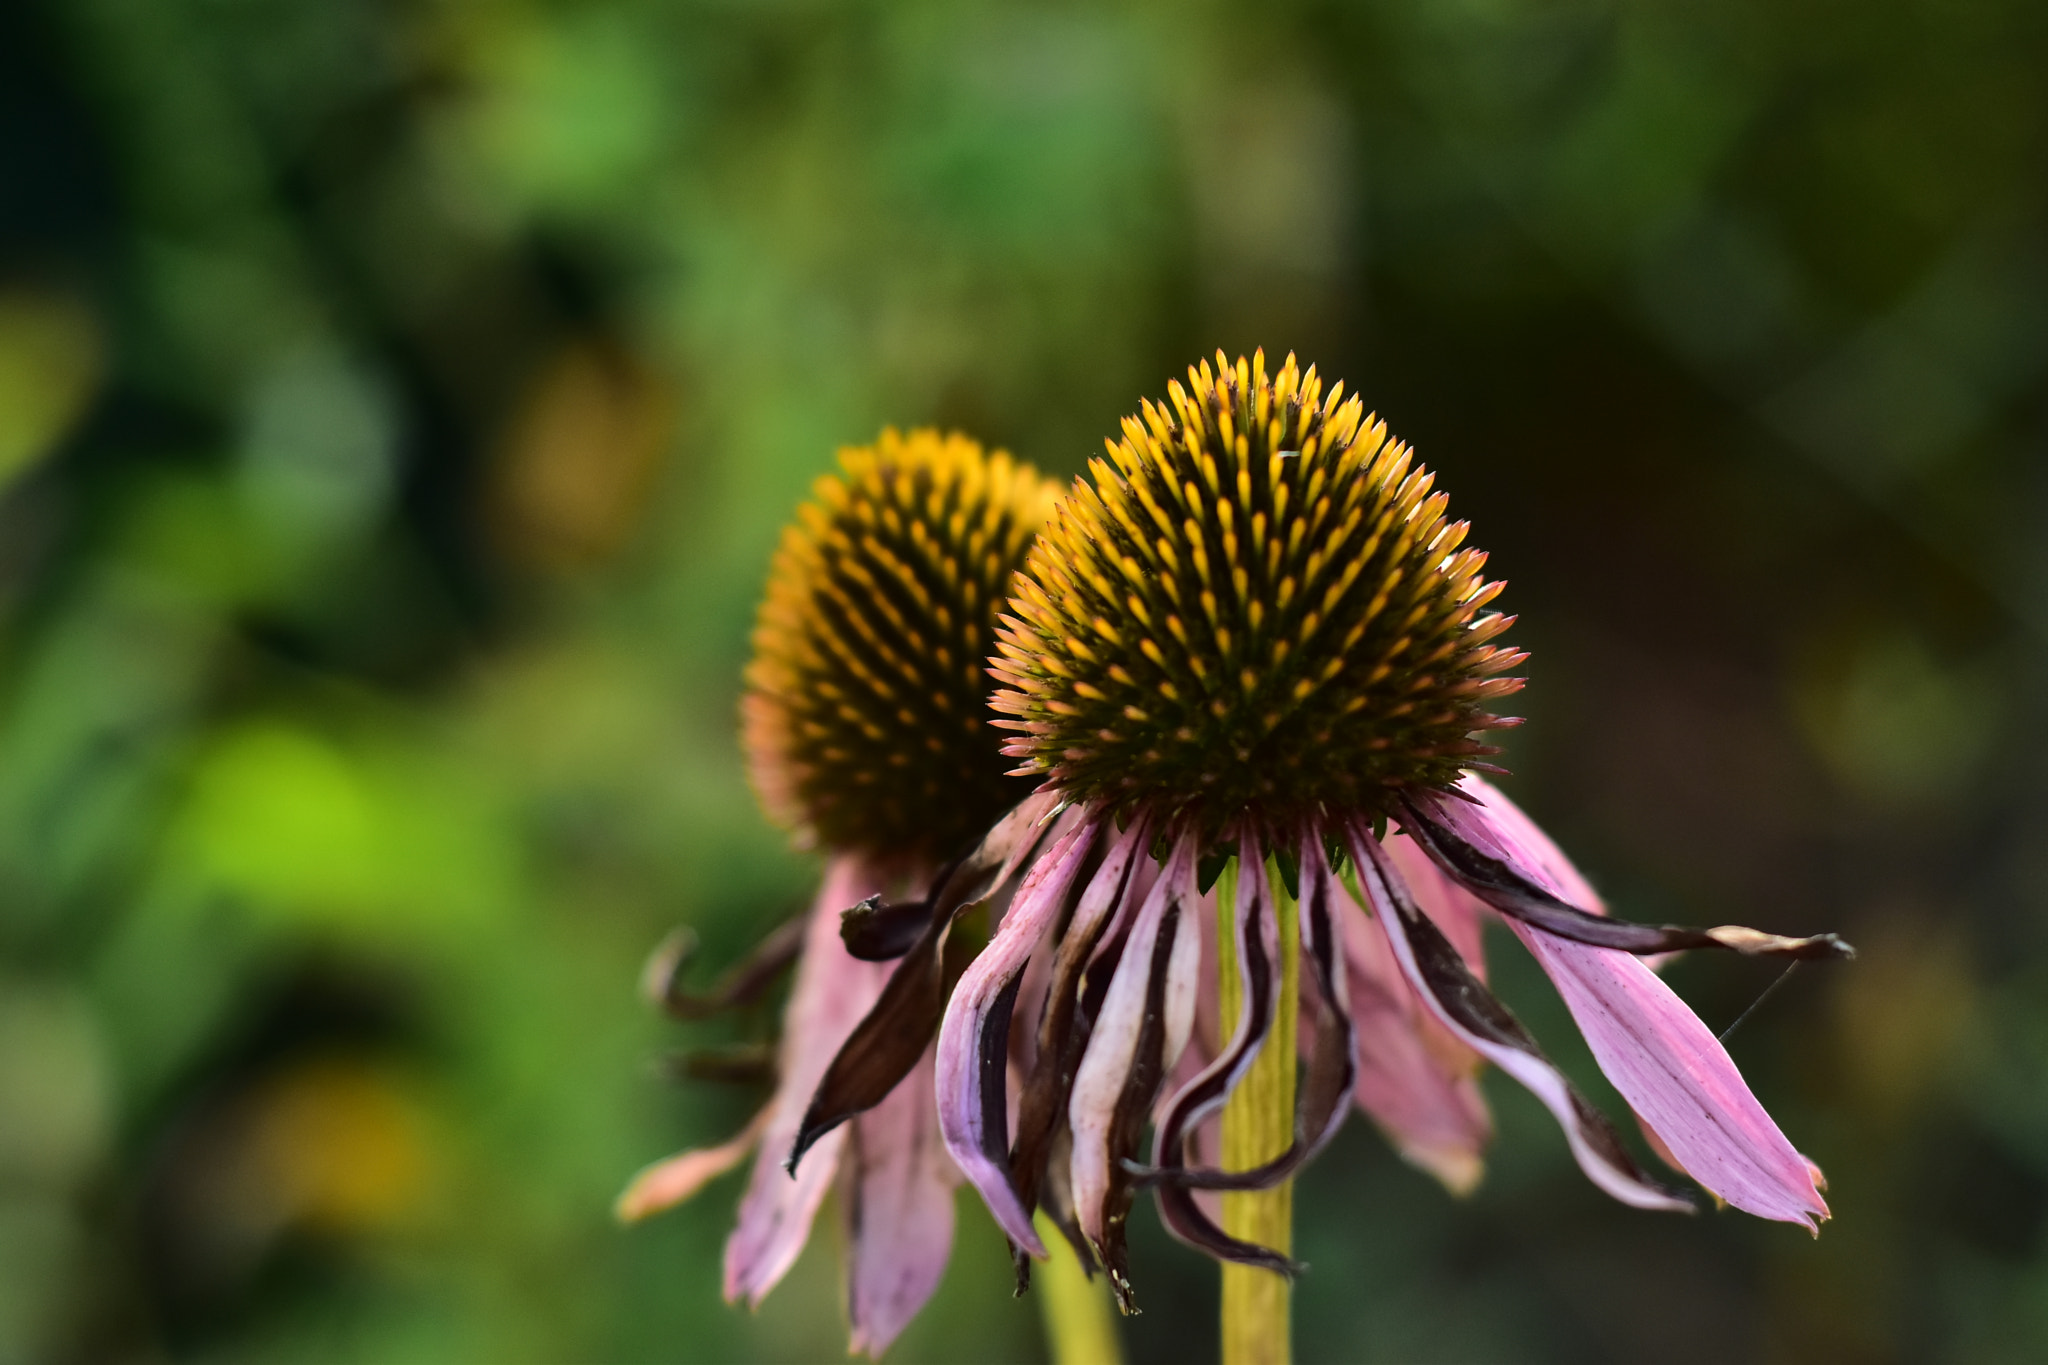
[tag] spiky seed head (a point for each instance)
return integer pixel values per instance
(1254, 607)
(865, 716)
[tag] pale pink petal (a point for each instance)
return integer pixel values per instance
(1679, 1079)
(897, 1198)
(833, 991)
(973, 1045)
(1184, 978)
(1099, 1081)
(1416, 1081)
(672, 1180)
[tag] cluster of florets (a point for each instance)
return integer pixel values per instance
(865, 713)
(1255, 606)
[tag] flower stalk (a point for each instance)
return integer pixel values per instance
(1258, 1125)
(1080, 1324)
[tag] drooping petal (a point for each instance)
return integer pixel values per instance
(897, 1202)
(1125, 1063)
(973, 1048)
(1064, 1026)
(673, 1180)
(1462, 1003)
(742, 984)
(882, 1048)
(832, 991)
(1099, 1081)
(1416, 1081)
(1484, 855)
(1679, 1079)
(1668, 1065)
(1255, 937)
(1328, 1042)
(1460, 914)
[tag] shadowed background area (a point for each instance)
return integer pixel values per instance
(398, 404)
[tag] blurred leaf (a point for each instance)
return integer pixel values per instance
(49, 368)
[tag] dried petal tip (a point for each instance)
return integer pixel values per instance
(1256, 603)
(865, 711)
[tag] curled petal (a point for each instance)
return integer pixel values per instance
(973, 1049)
(1099, 1082)
(1257, 946)
(897, 1201)
(831, 993)
(1462, 1003)
(1125, 1062)
(1040, 1154)
(744, 983)
(880, 1051)
(675, 1179)
(1320, 1104)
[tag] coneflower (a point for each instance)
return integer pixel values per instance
(1253, 637)
(867, 734)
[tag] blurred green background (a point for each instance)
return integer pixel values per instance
(398, 403)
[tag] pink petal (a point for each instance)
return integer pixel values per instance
(897, 1198)
(1099, 1080)
(1438, 974)
(1679, 1079)
(669, 1182)
(1415, 1080)
(1500, 827)
(1669, 1067)
(833, 991)
(974, 1134)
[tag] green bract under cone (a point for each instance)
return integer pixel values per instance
(1255, 608)
(866, 716)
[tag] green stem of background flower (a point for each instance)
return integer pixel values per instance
(1258, 1124)
(1080, 1326)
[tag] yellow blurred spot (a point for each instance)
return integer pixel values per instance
(335, 1146)
(578, 461)
(1906, 1015)
(49, 367)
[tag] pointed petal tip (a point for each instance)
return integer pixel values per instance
(1756, 943)
(677, 1179)
(1458, 1170)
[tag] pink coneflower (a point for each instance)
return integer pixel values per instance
(867, 733)
(1253, 633)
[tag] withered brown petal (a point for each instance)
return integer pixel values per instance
(742, 983)
(735, 1064)
(1508, 891)
(875, 932)
(886, 1044)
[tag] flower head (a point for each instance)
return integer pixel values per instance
(867, 733)
(1257, 606)
(1252, 632)
(865, 715)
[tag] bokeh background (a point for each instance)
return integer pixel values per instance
(398, 403)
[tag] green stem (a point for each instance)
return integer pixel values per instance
(1079, 1326)
(1258, 1124)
